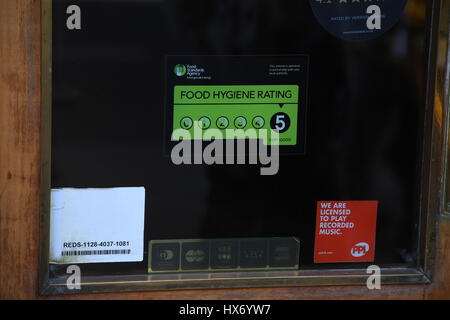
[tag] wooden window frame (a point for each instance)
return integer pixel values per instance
(25, 105)
(421, 273)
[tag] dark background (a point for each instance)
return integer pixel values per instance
(365, 102)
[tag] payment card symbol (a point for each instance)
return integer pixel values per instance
(224, 253)
(195, 256)
(166, 255)
(253, 254)
(282, 254)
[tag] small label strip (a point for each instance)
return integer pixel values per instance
(199, 255)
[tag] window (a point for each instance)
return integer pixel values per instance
(348, 143)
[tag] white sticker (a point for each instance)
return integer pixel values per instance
(97, 225)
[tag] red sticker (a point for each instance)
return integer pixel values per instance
(345, 231)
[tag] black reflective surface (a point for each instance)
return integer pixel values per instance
(365, 101)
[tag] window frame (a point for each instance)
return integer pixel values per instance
(431, 198)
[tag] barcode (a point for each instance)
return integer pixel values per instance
(94, 252)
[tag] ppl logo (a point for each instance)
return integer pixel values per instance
(359, 249)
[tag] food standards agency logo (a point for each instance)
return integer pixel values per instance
(180, 70)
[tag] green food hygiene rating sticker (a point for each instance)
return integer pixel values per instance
(263, 108)
(235, 98)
